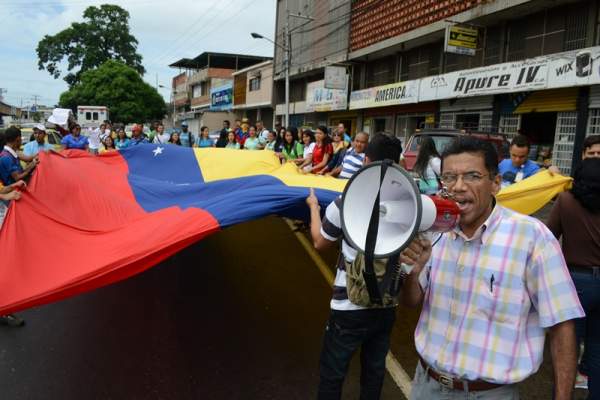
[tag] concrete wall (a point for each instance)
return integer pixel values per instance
(317, 43)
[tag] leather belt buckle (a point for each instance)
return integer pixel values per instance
(446, 381)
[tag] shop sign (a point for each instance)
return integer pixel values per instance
(221, 98)
(461, 39)
(574, 68)
(500, 78)
(336, 78)
(386, 95)
(320, 99)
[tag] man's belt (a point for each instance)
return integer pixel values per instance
(595, 271)
(458, 384)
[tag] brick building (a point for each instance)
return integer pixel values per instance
(533, 67)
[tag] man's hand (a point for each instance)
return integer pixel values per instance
(312, 200)
(416, 254)
(14, 195)
(553, 169)
(20, 184)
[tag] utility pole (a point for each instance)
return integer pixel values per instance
(288, 46)
(2, 91)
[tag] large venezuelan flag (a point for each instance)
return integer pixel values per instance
(89, 221)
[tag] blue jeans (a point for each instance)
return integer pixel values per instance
(588, 328)
(346, 332)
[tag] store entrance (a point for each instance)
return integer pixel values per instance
(540, 128)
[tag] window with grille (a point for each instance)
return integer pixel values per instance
(493, 46)
(485, 121)
(510, 125)
(576, 24)
(447, 120)
(254, 84)
(593, 126)
(381, 72)
(562, 153)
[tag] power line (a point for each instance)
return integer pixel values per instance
(202, 28)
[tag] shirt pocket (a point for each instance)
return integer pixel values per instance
(499, 298)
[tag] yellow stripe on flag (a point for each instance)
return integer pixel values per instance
(531, 194)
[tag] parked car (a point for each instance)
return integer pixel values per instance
(442, 137)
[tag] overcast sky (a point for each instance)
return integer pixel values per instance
(166, 30)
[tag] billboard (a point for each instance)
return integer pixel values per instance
(221, 98)
(320, 99)
(386, 95)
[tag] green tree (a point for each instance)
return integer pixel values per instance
(37, 116)
(104, 35)
(121, 89)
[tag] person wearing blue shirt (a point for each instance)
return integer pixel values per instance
(75, 140)
(519, 166)
(122, 140)
(136, 136)
(204, 140)
(186, 137)
(11, 170)
(39, 144)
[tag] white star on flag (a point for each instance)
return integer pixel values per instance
(158, 151)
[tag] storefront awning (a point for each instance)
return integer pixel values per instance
(549, 101)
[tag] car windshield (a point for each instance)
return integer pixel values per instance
(441, 142)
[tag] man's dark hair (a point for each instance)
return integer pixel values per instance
(469, 144)
(384, 147)
(226, 121)
(11, 134)
(590, 141)
(2, 140)
(521, 141)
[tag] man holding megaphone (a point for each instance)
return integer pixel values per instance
(352, 326)
(490, 290)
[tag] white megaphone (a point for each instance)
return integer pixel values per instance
(385, 196)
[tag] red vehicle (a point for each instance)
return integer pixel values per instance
(442, 137)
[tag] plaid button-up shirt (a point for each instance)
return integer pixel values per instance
(488, 299)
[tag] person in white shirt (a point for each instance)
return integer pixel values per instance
(94, 138)
(161, 137)
(308, 139)
(428, 166)
(263, 133)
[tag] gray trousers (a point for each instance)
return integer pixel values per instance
(425, 387)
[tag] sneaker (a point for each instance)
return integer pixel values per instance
(581, 381)
(13, 320)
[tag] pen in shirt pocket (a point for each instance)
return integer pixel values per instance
(492, 284)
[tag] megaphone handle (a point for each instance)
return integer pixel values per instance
(369, 272)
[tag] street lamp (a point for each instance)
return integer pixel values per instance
(286, 62)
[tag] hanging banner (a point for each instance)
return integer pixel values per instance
(568, 69)
(386, 95)
(500, 78)
(320, 99)
(461, 39)
(574, 68)
(221, 98)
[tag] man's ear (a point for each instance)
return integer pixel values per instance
(496, 184)
(367, 160)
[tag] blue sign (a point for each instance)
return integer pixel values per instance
(221, 98)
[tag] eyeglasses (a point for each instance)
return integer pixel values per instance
(467, 177)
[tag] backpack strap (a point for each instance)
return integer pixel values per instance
(369, 271)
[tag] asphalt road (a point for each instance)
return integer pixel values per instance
(239, 315)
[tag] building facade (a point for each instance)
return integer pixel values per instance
(253, 93)
(203, 92)
(531, 70)
(509, 66)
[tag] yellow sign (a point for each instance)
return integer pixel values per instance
(430, 119)
(461, 39)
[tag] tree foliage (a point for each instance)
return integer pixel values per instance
(104, 35)
(121, 89)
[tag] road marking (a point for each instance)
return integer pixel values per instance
(396, 371)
